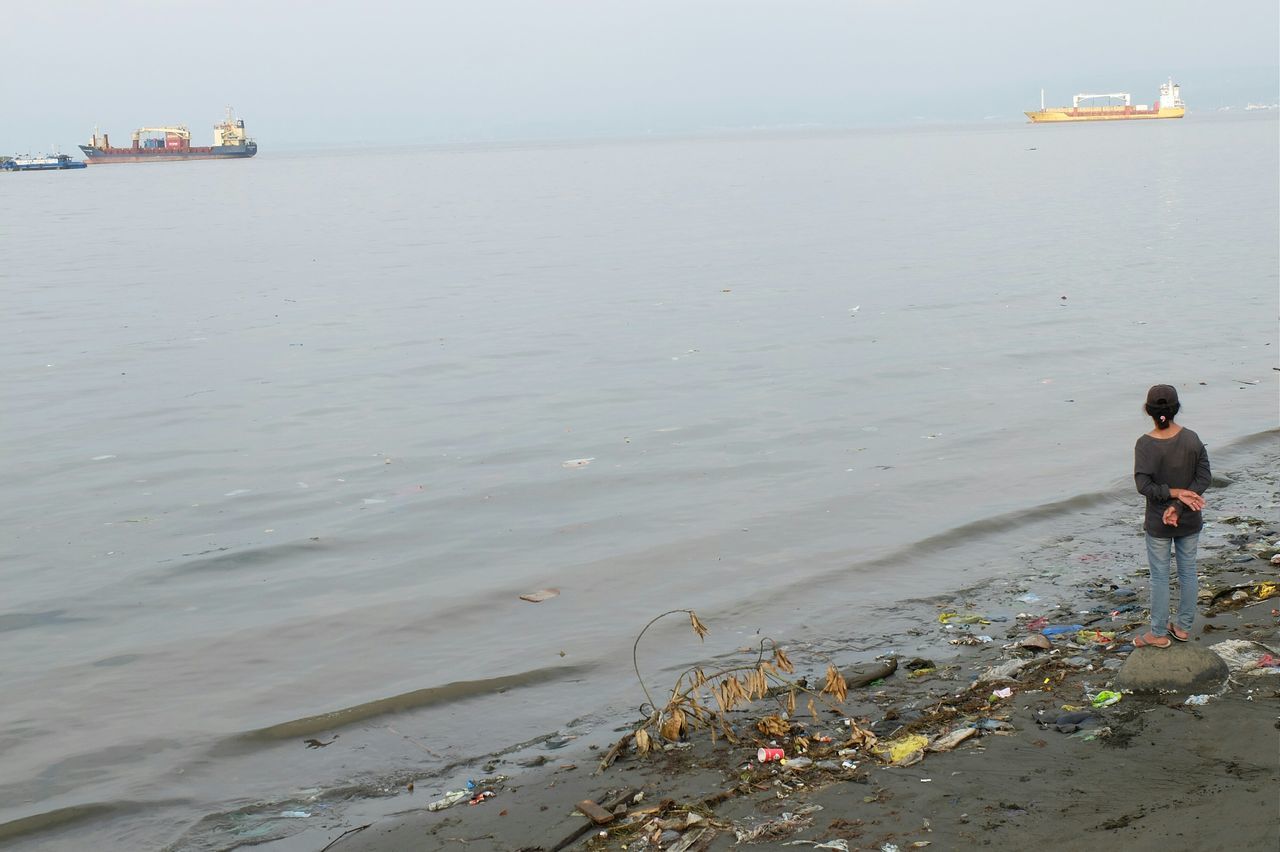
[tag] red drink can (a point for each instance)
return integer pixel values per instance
(766, 755)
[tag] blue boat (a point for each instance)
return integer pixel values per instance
(27, 163)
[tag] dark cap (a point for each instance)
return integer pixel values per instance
(1162, 395)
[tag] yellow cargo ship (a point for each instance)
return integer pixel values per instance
(1169, 105)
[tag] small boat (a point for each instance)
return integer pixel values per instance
(27, 163)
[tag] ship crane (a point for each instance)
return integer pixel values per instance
(176, 131)
(1075, 102)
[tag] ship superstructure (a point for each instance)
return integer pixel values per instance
(160, 144)
(1086, 107)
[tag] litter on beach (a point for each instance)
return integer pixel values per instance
(948, 741)
(1245, 657)
(961, 618)
(1095, 637)
(904, 751)
(1004, 671)
(1036, 642)
(1106, 698)
(540, 595)
(448, 800)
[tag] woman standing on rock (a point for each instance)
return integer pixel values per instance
(1171, 469)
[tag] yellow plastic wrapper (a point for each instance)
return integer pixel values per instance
(1095, 637)
(1262, 591)
(903, 750)
(959, 618)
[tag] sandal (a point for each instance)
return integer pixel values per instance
(1178, 633)
(1150, 640)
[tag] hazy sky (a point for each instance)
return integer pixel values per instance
(339, 71)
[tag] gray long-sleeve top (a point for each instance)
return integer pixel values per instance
(1163, 463)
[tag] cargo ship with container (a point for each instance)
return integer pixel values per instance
(1168, 105)
(165, 144)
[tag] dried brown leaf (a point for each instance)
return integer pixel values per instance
(673, 726)
(717, 695)
(759, 686)
(698, 626)
(801, 744)
(773, 726)
(813, 711)
(859, 736)
(791, 703)
(728, 696)
(780, 660)
(642, 741)
(835, 685)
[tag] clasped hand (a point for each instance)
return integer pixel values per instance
(1191, 499)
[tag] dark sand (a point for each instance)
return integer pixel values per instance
(1149, 772)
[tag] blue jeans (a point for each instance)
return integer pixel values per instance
(1158, 558)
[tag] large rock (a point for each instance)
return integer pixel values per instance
(1179, 668)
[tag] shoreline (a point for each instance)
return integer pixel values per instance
(1102, 544)
(1016, 781)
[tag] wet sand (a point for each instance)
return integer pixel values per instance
(1149, 772)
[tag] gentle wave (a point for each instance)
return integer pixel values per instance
(418, 699)
(1008, 521)
(250, 557)
(64, 817)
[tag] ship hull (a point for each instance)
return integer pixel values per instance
(1065, 114)
(161, 155)
(40, 167)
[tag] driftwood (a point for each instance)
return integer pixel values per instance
(863, 674)
(335, 840)
(854, 676)
(607, 803)
(594, 812)
(612, 754)
(718, 798)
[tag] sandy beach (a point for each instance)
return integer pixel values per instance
(1052, 765)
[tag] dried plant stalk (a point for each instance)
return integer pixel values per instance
(696, 690)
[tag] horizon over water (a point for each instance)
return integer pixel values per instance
(290, 435)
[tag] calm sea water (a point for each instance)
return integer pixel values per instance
(289, 436)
